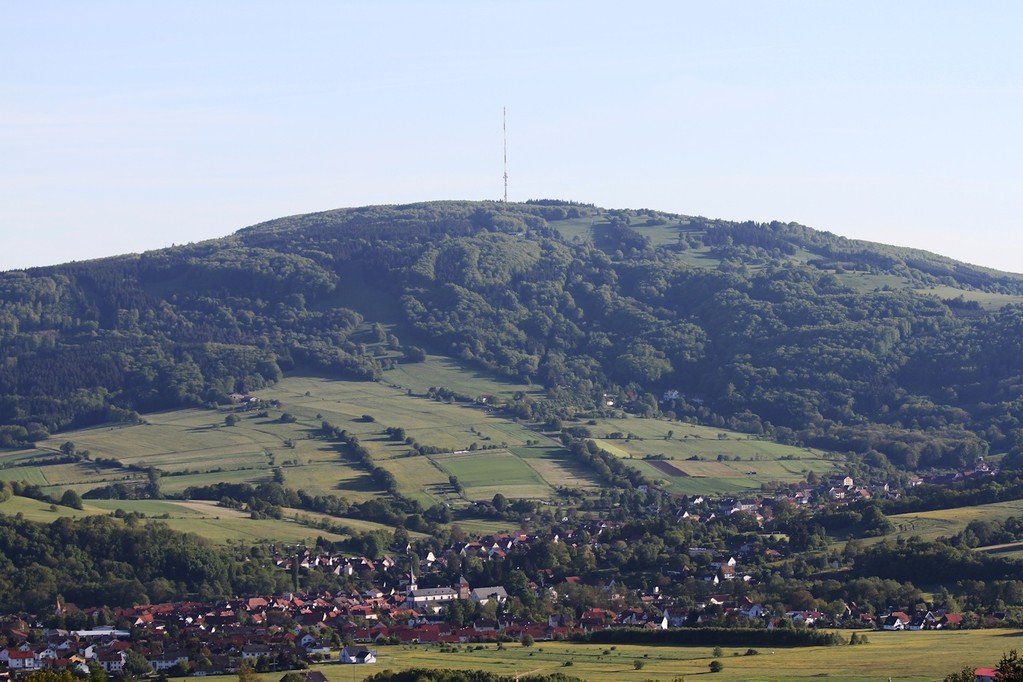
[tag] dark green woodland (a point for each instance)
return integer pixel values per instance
(908, 359)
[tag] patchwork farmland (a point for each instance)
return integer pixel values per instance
(486, 452)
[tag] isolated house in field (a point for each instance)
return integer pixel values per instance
(357, 654)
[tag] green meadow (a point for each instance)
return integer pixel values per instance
(899, 656)
(221, 525)
(947, 522)
(987, 300)
(707, 460)
(484, 474)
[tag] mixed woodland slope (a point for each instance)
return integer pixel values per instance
(907, 359)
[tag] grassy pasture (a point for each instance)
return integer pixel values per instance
(33, 475)
(177, 484)
(224, 530)
(343, 403)
(727, 483)
(987, 300)
(34, 510)
(932, 524)
(205, 519)
(553, 469)
(217, 524)
(902, 656)
(759, 460)
(576, 227)
(184, 439)
(439, 371)
(690, 439)
(428, 482)
(10, 458)
(484, 473)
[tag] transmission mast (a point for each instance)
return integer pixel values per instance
(504, 126)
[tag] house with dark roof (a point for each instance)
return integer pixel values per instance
(307, 675)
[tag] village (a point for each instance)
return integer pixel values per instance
(401, 601)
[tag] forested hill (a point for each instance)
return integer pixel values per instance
(899, 355)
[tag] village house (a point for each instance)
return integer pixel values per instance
(357, 655)
(482, 595)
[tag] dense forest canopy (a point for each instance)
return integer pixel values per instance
(773, 329)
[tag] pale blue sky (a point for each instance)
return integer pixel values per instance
(127, 126)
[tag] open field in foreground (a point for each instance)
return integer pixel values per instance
(901, 656)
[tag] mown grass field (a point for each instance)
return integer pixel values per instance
(215, 523)
(484, 474)
(947, 522)
(711, 460)
(901, 656)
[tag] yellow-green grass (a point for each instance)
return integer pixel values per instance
(987, 300)
(581, 228)
(651, 437)
(554, 465)
(218, 524)
(225, 530)
(354, 525)
(556, 468)
(444, 372)
(177, 484)
(484, 473)
(346, 479)
(947, 522)
(485, 526)
(726, 484)
(34, 510)
(902, 656)
(429, 422)
(10, 458)
(208, 515)
(28, 474)
(864, 282)
(612, 447)
(186, 439)
(82, 473)
(760, 461)
(421, 475)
